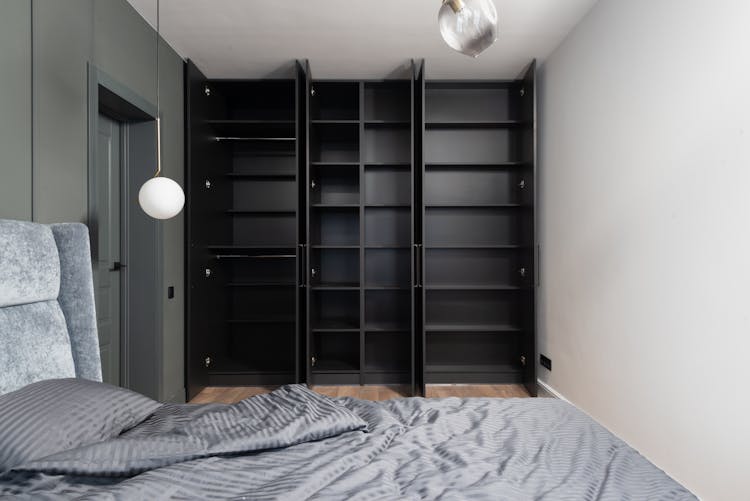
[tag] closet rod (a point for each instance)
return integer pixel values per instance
(238, 138)
(257, 256)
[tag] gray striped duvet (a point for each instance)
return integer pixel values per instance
(295, 444)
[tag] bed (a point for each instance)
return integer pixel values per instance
(64, 434)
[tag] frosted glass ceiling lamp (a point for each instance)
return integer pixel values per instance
(160, 197)
(468, 26)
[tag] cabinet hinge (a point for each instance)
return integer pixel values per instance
(206, 90)
(523, 360)
(312, 361)
(207, 362)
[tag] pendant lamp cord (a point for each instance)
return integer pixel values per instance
(158, 117)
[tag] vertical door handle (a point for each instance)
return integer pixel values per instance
(302, 268)
(417, 266)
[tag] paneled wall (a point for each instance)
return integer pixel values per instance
(45, 46)
(15, 109)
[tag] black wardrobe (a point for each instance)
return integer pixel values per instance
(360, 232)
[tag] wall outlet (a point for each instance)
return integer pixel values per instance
(546, 362)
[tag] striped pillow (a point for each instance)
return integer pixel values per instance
(55, 415)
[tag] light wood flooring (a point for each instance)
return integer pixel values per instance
(231, 394)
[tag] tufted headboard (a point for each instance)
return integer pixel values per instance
(47, 315)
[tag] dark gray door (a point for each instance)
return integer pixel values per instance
(107, 246)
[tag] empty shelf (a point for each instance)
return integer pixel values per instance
(474, 206)
(262, 176)
(475, 165)
(459, 287)
(334, 367)
(263, 320)
(472, 368)
(472, 328)
(250, 212)
(261, 284)
(387, 327)
(253, 128)
(336, 287)
(476, 124)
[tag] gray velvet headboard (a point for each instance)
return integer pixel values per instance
(47, 315)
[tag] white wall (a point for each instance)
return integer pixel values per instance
(645, 230)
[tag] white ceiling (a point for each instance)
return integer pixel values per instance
(352, 38)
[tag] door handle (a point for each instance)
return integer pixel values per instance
(117, 266)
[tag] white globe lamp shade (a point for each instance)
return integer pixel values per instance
(161, 198)
(468, 26)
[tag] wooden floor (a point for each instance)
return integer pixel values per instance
(231, 394)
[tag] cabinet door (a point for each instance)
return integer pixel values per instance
(418, 334)
(196, 363)
(303, 321)
(528, 152)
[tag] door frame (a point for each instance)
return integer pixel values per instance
(115, 100)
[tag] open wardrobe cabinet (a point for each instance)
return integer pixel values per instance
(360, 232)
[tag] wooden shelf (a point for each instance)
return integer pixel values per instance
(394, 370)
(337, 330)
(244, 212)
(254, 128)
(477, 246)
(335, 326)
(476, 288)
(253, 138)
(334, 122)
(261, 284)
(472, 328)
(386, 327)
(388, 123)
(475, 206)
(335, 287)
(474, 165)
(472, 368)
(261, 177)
(334, 367)
(334, 164)
(269, 319)
(249, 248)
(386, 164)
(332, 247)
(336, 206)
(480, 124)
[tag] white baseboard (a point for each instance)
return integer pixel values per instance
(549, 389)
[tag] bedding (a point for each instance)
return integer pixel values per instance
(296, 444)
(55, 415)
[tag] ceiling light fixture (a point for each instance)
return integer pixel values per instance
(468, 26)
(160, 197)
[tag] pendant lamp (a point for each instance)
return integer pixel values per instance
(160, 197)
(468, 26)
